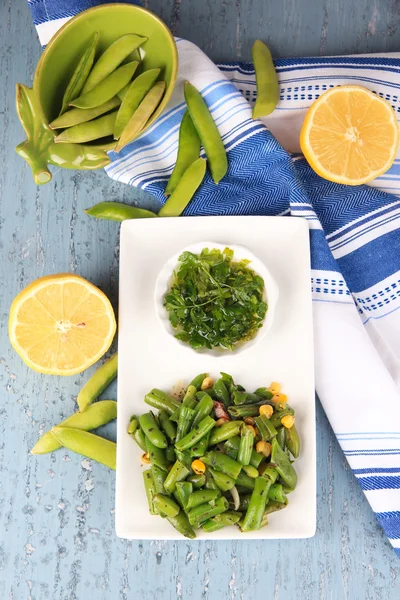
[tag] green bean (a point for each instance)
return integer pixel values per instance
(166, 505)
(98, 382)
(170, 454)
(281, 438)
(152, 431)
(226, 431)
(276, 493)
(222, 462)
(201, 497)
(198, 380)
(77, 156)
(245, 481)
(107, 88)
(208, 132)
(266, 429)
(159, 476)
(76, 116)
(250, 471)
(283, 465)
(139, 438)
(263, 392)
(201, 447)
(182, 492)
(232, 448)
(81, 73)
(141, 115)
(188, 151)
(249, 410)
(159, 399)
(157, 455)
(185, 421)
(111, 58)
(223, 481)
(198, 481)
(203, 409)
(185, 190)
(135, 93)
(201, 513)
(292, 441)
(221, 392)
(89, 445)
(166, 425)
(230, 517)
(86, 132)
(150, 490)
(246, 445)
(255, 511)
(117, 211)
(95, 416)
(244, 398)
(266, 80)
(181, 524)
(195, 434)
(177, 473)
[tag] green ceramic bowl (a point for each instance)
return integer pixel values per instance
(111, 21)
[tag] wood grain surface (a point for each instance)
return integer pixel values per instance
(57, 538)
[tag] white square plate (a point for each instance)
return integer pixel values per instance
(149, 357)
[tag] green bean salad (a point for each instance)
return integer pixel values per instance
(218, 455)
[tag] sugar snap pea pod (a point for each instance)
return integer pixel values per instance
(157, 455)
(276, 493)
(250, 471)
(111, 58)
(244, 502)
(134, 95)
(221, 392)
(150, 490)
(181, 524)
(186, 416)
(263, 392)
(292, 441)
(170, 454)
(283, 465)
(266, 430)
(244, 398)
(138, 436)
(255, 511)
(222, 462)
(201, 513)
(230, 517)
(166, 425)
(165, 505)
(189, 400)
(188, 151)
(281, 438)
(77, 156)
(185, 190)
(247, 410)
(198, 380)
(246, 445)
(159, 399)
(209, 392)
(182, 492)
(201, 497)
(198, 481)
(201, 447)
(223, 481)
(226, 431)
(210, 483)
(270, 508)
(76, 116)
(141, 115)
(266, 81)
(98, 382)
(159, 476)
(81, 73)
(152, 431)
(177, 473)
(133, 424)
(89, 445)
(270, 473)
(208, 132)
(195, 434)
(278, 414)
(96, 415)
(106, 89)
(86, 132)
(203, 409)
(245, 481)
(184, 457)
(232, 448)
(117, 211)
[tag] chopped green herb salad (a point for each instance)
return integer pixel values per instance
(215, 301)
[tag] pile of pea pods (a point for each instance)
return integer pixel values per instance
(218, 455)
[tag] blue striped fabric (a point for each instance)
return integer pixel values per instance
(354, 232)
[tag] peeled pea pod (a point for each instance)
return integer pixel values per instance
(185, 190)
(89, 445)
(86, 132)
(117, 211)
(75, 116)
(188, 151)
(80, 75)
(266, 81)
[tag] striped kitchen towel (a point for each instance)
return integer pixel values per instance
(355, 236)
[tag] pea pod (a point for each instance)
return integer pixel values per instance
(76, 116)
(185, 190)
(117, 211)
(89, 445)
(95, 416)
(159, 476)
(108, 88)
(255, 511)
(185, 420)
(150, 491)
(139, 438)
(152, 431)
(264, 393)
(198, 380)
(166, 425)
(111, 58)
(81, 73)
(159, 399)
(223, 481)
(141, 115)
(198, 481)
(276, 493)
(200, 448)
(246, 445)
(86, 132)
(226, 431)
(203, 409)
(188, 151)
(201, 497)
(283, 465)
(181, 524)
(199, 431)
(77, 156)
(165, 505)
(208, 132)
(201, 513)
(222, 462)
(135, 93)
(221, 392)
(98, 382)
(230, 517)
(266, 81)
(182, 492)
(177, 473)
(157, 455)
(292, 441)
(265, 427)
(244, 398)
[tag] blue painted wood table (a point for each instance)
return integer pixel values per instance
(57, 537)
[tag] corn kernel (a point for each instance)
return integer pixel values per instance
(208, 382)
(274, 388)
(266, 410)
(145, 458)
(264, 448)
(287, 421)
(253, 429)
(279, 399)
(198, 467)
